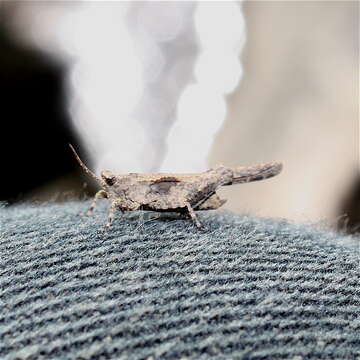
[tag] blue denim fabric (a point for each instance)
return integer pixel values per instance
(155, 287)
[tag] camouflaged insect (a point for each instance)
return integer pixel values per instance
(181, 193)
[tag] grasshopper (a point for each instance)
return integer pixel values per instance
(181, 193)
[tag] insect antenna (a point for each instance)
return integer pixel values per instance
(84, 167)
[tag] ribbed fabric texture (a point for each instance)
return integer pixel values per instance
(161, 289)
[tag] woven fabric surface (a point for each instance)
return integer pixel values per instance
(155, 287)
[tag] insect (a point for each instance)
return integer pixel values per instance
(181, 193)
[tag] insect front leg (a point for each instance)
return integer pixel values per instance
(111, 215)
(98, 195)
(194, 217)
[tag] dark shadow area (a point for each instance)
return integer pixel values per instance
(350, 207)
(35, 125)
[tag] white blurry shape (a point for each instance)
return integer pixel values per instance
(163, 21)
(105, 84)
(105, 79)
(129, 63)
(190, 108)
(202, 109)
(116, 85)
(165, 42)
(151, 57)
(226, 78)
(194, 130)
(220, 26)
(127, 150)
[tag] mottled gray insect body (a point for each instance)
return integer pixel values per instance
(181, 193)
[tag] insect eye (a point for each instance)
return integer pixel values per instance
(109, 178)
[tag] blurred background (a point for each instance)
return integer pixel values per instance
(180, 87)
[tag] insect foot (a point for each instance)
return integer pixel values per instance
(180, 193)
(193, 216)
